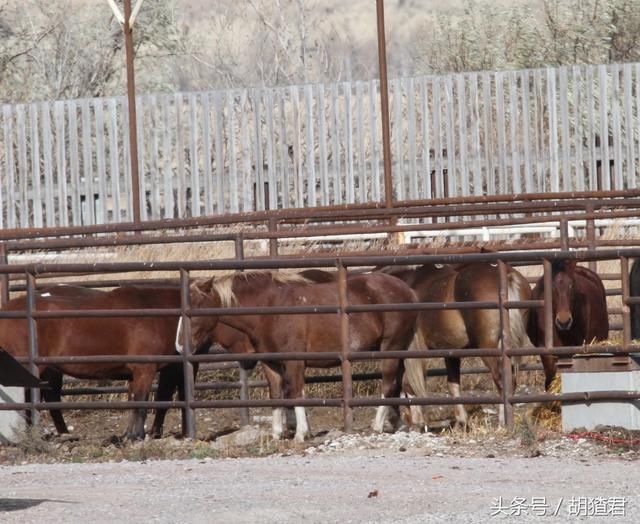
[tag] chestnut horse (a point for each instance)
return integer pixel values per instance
(97, 336)
(383, 331)
(579, 304)
(634, 291)
(464, 328)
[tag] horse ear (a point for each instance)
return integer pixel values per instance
(200, 289)
(570, 264)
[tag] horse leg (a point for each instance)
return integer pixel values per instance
(182, 395)
(170, 380)
(293, 387)
(139, 388)
(453, 384)
(392, 372)
(53, 394)
(493, 363)
(550, 370)
(273, 373)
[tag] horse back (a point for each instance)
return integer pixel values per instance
(95, 336)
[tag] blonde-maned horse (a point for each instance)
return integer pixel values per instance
(464, 328)
(383, 331)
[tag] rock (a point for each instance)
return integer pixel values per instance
(245, 436)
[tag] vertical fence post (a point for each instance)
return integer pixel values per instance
(4, 277)
(548, 306)
(244, 376)
(273, 241)
(507, 373)
(131, 102)
(564, 234)
(189, 419)
(32, 334)
(347, 380)
(626, 310)
(591, 236)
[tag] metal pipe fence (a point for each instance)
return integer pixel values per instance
(347, 402)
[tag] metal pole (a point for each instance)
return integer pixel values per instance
(4, 278)
(591, 237)
(131, 94)
(564, 234)
(244, 376)
(548, 305)
(626, 310)
(347, 381)
(384, 105)
(507, 372)
(32, 336)
(189, 413)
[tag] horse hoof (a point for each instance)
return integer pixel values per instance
(418, 428)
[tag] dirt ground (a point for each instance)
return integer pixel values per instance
(532, 474)
(408, 478)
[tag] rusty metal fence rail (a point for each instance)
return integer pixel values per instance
(347, 402)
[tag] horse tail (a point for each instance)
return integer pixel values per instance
(518, 318)
(413, 382)
(414, 368)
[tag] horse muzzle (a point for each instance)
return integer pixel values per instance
(564, 325)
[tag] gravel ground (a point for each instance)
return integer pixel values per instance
(405, 477)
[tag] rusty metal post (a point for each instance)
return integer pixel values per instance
(505, 337)
(273, 242)
(564, 234)
(131, 97)
(244, 375)
(626, 310)
(347, 380)
(185, 303)
(591, 237)
(548, 306)
(32, 335)
(384, 105)
(4, 277)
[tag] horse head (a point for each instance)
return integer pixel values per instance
(563, 293)
(202, 294)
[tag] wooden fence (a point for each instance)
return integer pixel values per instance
(565, 129)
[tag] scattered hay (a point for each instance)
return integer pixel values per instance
(547, 415)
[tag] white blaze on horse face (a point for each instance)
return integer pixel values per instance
(179, 346)
(45, 295)
(381, 416)
(302, 428)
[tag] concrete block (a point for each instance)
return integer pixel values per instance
(11, 422)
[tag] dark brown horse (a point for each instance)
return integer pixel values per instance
(383, 331)
(579, 303)
(464, 328)
(97, 336)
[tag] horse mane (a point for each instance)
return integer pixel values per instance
(224, 285)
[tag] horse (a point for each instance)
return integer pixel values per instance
(464, 328)
(382, 331)
(634, 291)
(97, 336)
(579, 304)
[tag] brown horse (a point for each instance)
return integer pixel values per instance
(97, 336)
(579, 304)
(464, 328)
(383, 331)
